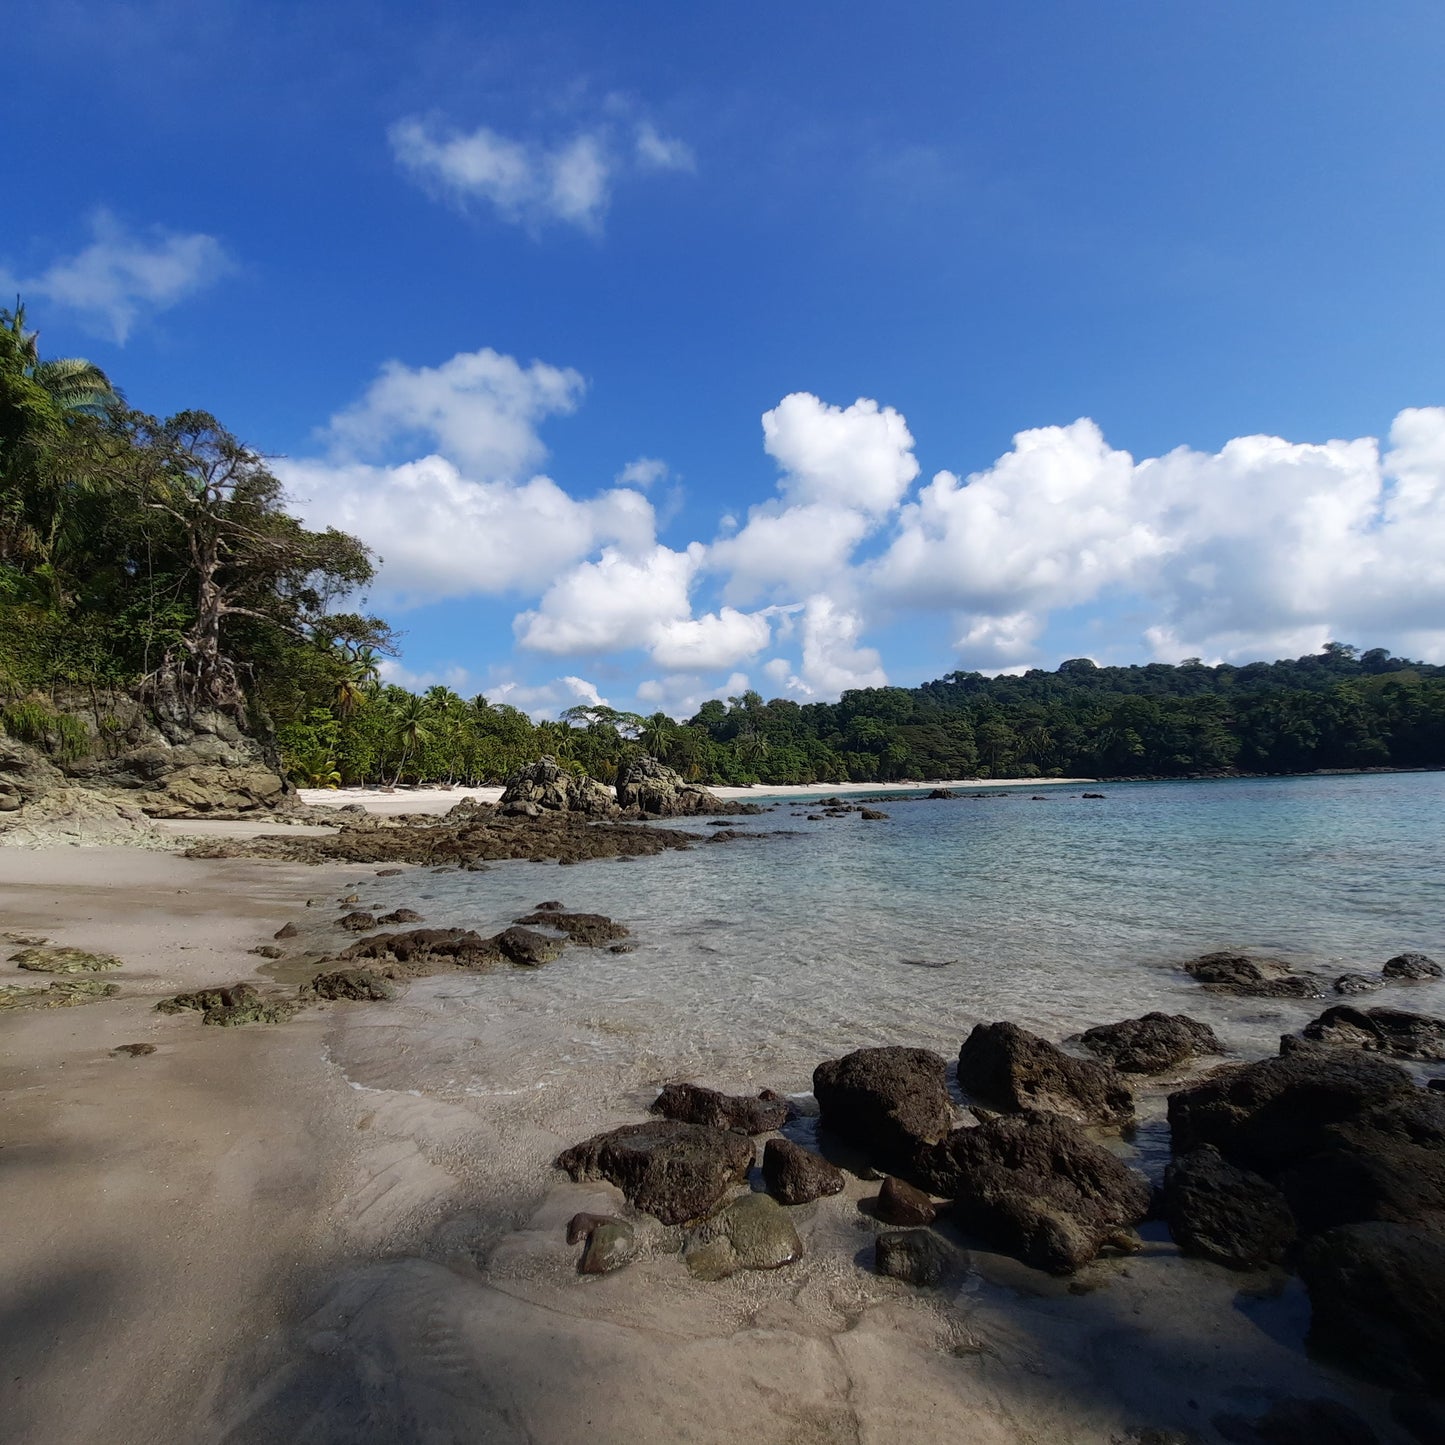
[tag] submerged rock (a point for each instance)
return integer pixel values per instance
(1411, 967)
(1221, 1212)
(1009, 1068)
(349, 983)
(1380, 1030)
(795, 1175)
(753, 1232)
(526, 947)
(358, 921)
(1238, 973)
(1377, 1298)
(675, 1171)
(64, 960)
(917, 1256)
(1152, 1044)
(694, 1104)
(611, 1242)
(1348, 983)
(1036, 1186)
(587, 930)
(887, 1101)
(400, 915)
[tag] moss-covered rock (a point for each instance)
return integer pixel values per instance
(64, 960)
(240, 1003)
(64, 993)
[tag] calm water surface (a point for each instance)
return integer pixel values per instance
(757, 959)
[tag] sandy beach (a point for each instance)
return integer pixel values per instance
(348, 1228)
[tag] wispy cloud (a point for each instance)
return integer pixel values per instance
(122, 274)
(529, 182)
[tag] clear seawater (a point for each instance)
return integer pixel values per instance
(756, 960)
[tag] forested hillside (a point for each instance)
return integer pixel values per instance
(155, 557)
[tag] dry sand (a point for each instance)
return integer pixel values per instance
(347, 1231)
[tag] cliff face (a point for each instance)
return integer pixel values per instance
(125, 760)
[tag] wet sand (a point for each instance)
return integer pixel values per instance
(348, 1229)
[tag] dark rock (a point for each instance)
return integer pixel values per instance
(1380, 1030)
(1238, 973)
(1385, 1162)
(1270, 1114)
(400, 915)
(1009, 1068)
(1299, 1422)
(1421, 1416)
(422, 950)
(1091, 795)
(287, 930)
(917, 1256)
(134, 1051)
(240, 1003)
(1377, 1296)
(388, 872)
(1152, 1044)
(269, 950)
(900, 1203)
(753, 1232)
(526, 947)
(1435, 1085)
(349, 983)
(887, 1101)
(1411, 967)
(1358, 983)
(940, 794)
(1224, 1213)
(795, 1175)
(587, 930)
(1036, 1186)
(872, 815)
(552, 905)
(673, 1170)
(694, 1104)
(357, 921)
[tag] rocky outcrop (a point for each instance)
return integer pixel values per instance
(547, 787)
(1154, 1044)
(1392, 1031)
(889, 1102)
(1238, 973)
(1377, 1297)
(587, 930)
(51, 959)
(675, 1171)
(753, 1232)
(1006, 1067)
(349, 983)
(693, 1104)
(653, 790)
(1221, 1212)
(795, 1175)
(900, 1203)
(240, 1003)
(1034, 1185)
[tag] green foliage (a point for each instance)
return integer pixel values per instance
(62, 736)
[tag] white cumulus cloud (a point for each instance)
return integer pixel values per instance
(531, 182)
(123, 275)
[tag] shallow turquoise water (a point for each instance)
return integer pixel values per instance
(758, 959)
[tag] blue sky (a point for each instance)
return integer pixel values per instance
(665, 349)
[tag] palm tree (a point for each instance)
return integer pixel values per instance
(409, 728)
(657, 734)
(72, 384)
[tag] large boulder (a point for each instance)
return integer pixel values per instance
(1270, 1114)
(1006, 1067)
(889, 1102)
(1036, 1186)
(1239, 973)
(1377, 1297)
(1153, 1044)
(1221, 1212)
(694, 1104)
(547, 787)
(673, 1170)
(1411, 968)
(1391, 1031)
(654, 790)
(917, 1256)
